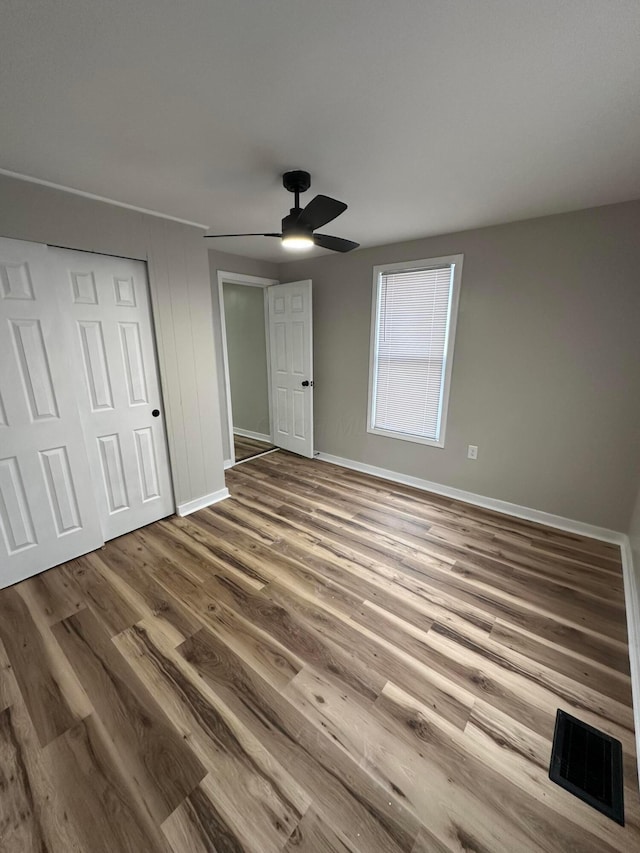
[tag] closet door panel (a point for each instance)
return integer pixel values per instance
(105, 303)
(47, 511)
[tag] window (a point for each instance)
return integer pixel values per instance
(413, 328)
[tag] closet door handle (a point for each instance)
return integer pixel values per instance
(156, 413)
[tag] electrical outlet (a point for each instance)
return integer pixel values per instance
(472, 451)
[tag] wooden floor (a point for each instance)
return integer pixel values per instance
(325, 662)
(246, 448)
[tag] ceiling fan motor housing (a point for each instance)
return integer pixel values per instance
(292, 228)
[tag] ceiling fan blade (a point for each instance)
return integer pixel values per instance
(242, 235)
(336, 244)
(321, 210)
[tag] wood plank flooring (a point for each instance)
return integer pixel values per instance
(247, 448)
(324, 662)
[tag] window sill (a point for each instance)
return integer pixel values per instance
(403, 436)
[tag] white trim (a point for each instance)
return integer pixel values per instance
(267, 342)
(248, 281)
(65, 189)
(200, 503)
(456, 261)
(630, 574)
(415, 439)
(228, 464)
(242, 278)
(567, 524)
(257, 436)
(225, 368)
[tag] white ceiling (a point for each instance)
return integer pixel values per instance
(425, 116)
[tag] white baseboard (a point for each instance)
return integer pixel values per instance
(567, 524)
(246, 433)
(228, 463)
(631, 577)
(200, 503)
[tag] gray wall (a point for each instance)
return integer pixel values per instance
(181, 298)
(546, 367)
(247, 355)
(224, 262)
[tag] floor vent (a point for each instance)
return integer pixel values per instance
(588, 763)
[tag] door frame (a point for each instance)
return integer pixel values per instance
(248, 281)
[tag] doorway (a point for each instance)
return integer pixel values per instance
(267, 356)
(245, 351)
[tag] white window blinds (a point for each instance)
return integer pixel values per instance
(410, 350)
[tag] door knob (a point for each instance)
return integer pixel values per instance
(306, 383)
(156, 413)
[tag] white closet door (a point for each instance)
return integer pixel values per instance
(105, 302)
(47, 511)
(291, 365)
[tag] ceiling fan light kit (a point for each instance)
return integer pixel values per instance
(299, 226)
(296, 242)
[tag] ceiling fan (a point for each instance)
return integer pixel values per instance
(299, 226)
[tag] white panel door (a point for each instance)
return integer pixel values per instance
(47, 511)
(105, 302)
(291, 365)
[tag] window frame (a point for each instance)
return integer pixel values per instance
(424, 264)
